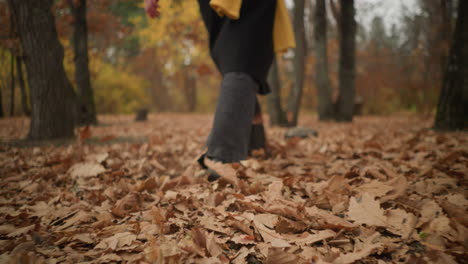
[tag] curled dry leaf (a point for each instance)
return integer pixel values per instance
(327, 220)
(286, 225)
(129, 204)
(280, 256)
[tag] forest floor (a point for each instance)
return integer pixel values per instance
(379, 190)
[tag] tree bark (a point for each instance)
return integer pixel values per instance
(275, 110)
(12, 84)
(452, 109)
(2, 115)
(347, 71)
(86, 106)
(445, 32)
(294, 102)
(52, 97)
(322, 82)
(24, 94)
(190, 90)
(335, 12)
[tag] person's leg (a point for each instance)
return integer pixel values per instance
(257, 134)
(229, 140)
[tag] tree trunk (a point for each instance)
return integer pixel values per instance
(52, 97)
(190, 90)
(275, 110)
(12, 85)
(24, 95)
(294, 100)
(335, 12)
(445, 32)
(2, 115)
(86, 106)
(452, 110)
(325, 103)
(347, 72)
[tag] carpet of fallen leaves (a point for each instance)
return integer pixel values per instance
(379, 190)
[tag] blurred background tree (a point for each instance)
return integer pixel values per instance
(164, 64)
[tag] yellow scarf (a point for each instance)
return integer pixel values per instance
(283, 36)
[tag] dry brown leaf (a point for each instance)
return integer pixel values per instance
(243, 239)
(274, 191)
(307, 238)
(117, 241)
(21, 231)
(375, 188)
(280, 256)
(240, 224)
(328, 220)
(226, 171)
(458, 199)
(149, 184)
(129, 204)
(366, 210)
(78, 218)
(98, 157)
(355, 256)
(212, 247)
(458, 213)
(86, 170)
(85, 238)
(199, 238)
(109, 258)
(429, 210)
(211, 223)
(264, 223)
(400, 222)
(285, 225)
(399, 184)
(242, 254)
(7, 228)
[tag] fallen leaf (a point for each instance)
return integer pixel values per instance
(400, 222)
(243, 239)
(355, 256)
(117, 241)
(21, 231)
(366, 210)
(280, 256)
(129, 204)
(212, 247)
(307, 238)
(86, 170)
(328, 220)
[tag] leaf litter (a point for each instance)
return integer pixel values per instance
(380, 190)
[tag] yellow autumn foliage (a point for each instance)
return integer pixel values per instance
(179, 35)
(117, 90)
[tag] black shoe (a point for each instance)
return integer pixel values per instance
(212, 175)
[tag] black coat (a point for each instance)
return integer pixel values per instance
(243, 45)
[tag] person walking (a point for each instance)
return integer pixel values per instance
(243, 38)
